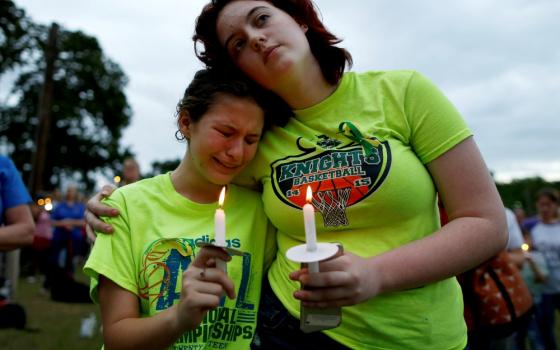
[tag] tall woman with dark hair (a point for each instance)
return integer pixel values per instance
(376, 148)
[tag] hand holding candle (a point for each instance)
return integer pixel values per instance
(312, 253)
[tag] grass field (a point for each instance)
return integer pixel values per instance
(50, 325)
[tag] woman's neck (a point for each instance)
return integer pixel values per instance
(188, 184)
(306, 87)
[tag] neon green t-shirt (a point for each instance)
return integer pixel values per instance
(155, 241)
(370, 204)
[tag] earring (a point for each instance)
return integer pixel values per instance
(179, 136)
(304, 27)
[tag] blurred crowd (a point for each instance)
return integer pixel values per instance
(53, 248)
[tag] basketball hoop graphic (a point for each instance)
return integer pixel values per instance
(339, 177)
(332, 206)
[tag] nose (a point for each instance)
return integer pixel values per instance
(235, 151)
(257, 41)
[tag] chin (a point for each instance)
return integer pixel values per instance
(222, 179)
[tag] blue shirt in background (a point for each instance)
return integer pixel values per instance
(12, 189)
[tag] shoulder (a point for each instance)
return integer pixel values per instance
(142, 191)
(148, 184)
(393, 76)
(245, 194)
(395, 83)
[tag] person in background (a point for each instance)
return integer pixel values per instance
(545, 236)
(16, 222)
(131, 171)
(68, 221)
(515, 239)
(41, 241)
(16, 231)
(535, 273)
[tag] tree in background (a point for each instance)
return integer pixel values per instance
(89, 109)
(14, 41)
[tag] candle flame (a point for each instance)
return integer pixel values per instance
(222, 196)
(309, 195)
(525, 247)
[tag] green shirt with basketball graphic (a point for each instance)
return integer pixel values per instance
(155, 241)
(363, 152)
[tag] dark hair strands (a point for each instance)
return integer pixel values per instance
(208, 84)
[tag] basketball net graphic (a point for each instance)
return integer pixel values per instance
(332, 206)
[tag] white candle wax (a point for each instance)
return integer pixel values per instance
(310, 230)
(220, 229)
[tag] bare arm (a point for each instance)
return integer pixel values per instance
(475, 232)
(123, 328)
(19, 228)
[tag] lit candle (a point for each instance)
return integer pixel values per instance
(220, 228)
(310, 230)
(525, 247)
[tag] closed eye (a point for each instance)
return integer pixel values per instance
(252, 140)
(225, 132)
(261, 19)
(238, 44)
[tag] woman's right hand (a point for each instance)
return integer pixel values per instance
(95, 209)
(203, 286)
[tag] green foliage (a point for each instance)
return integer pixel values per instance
(89, 109)
(522, 192)
(14, 41)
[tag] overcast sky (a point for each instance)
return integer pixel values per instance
(497, 60)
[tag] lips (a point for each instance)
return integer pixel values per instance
(227, 166)
(269, 51)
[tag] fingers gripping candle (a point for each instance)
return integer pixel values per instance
(220, 228)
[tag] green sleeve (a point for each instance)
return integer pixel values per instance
(111, 255)
(435, 124)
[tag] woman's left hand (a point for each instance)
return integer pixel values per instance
(344, 280)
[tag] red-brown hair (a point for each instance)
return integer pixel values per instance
(332, 59)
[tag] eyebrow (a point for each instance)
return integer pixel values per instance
(247, 19)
